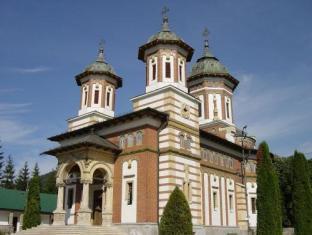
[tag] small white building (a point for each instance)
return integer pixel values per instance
(12, 205)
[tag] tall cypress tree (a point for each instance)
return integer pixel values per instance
(8, 174)
(177, 218)
(49, 182)
(32, 210)
(1, 162)
(302, 195)
(269, 218)
(23, 178)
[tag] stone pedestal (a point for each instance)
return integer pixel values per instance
(107, 218)
(84, 217)
(59, 218)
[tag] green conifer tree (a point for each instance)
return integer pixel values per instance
(269, 218)
(8, 174)
(302, 195)
(1, 162)
(23, 178)
(36, 171)
(176, 218)
(32, 209)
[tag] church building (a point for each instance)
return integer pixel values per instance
(119, 171)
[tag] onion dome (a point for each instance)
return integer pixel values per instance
(165, 37)
(209, 66)
(99, 66)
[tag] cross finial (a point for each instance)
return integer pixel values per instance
(205, 35)
(165, 25)
(101, 51)
(164, 11)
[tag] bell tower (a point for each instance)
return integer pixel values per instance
(98, 84)
(165, 56)
(213, 85)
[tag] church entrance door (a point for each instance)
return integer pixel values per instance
(70, 198)
(97, 207)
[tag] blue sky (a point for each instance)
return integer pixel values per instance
(267, 45)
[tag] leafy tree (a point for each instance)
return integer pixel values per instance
(1, 161)
(283, 167)
(302, 195)
(23, 178)
(48, 182)
(269, 218)
(8, 174)
(36, 171)
(32, 210)
(177, 218)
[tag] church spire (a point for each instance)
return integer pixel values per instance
(100, 57)
(206, 52)
(165, 23)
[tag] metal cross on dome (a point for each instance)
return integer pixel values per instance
(205, 35)
(164, 11)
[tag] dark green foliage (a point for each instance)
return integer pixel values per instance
(177, 218)
(36, 171)
(23, 178)
(283, 167)
(48, 182)
(1, 161)
(269, 219)
(32, 210)
(310, 170)
(302, 196)
(8, 174)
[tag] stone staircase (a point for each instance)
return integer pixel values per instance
(72, 230)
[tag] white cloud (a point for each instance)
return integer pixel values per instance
(11, 108)
(38, 69)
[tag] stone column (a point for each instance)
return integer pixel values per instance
(84, 214)
(107, 214)
(59, 213)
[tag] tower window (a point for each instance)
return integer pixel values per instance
(154, 72)
(227, 105)
(130, 140)
(215, 200)
(180, 73)
(253, 205)
(200, 110)
(108, 97)
(139, 138)
(129, 191)
(96, 96)
(231, 202)
(168, 69)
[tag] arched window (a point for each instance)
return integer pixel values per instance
(130, 140)
(153, 69)
(167, 68)
(122, 142)
(85, 96)
(139, 138)
(109, 97)
(182, 140)
(97, 94)
(181, 70)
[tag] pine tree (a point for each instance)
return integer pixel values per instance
(176, 218)
(36, 171)
(302, 195)
(269, 218)
(32, 210)
(1, 162)
(8, 174)
(23, 178)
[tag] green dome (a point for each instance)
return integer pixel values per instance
(99, 66)
(208, 64)
(164, 35)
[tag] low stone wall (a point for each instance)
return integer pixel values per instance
(7, 229)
